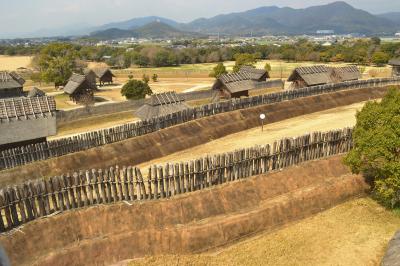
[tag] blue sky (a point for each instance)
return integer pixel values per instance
(23, 16)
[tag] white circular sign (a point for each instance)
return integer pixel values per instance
(262, 116)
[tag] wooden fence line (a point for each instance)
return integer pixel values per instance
(54, 148)
(34, 199)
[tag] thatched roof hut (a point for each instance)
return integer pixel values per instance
(161, 104)
(26, 120)
(104, 75)
(77, 86)
(345, 73)
(10, 85)
(395, 63)
(234, 85)
(310, 76)
(255, 73)
(35, 92)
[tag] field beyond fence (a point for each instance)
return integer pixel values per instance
(55, 148)
(34, 199)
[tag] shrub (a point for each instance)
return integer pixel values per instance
(135, 89)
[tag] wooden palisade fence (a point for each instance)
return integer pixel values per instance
(42, 151)
(34, 199)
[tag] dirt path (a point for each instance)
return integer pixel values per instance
(321, 121)
(333, 237)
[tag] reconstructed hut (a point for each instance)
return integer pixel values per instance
(78, 87)
(310, 76)
(35, 92)
(161, 104)
(104, 75)
(234, 85)
(345, 73)
(26, 121)
(395, 63)
(11, 85)
(255, 73)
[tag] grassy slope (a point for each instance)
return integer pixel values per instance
(353, 233)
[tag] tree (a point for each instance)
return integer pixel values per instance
(380, 58)
(376, 147)
(136, 89)
(267, 67)
(218, 70)
(376, 40)
(154, 77)
(56, 62)
(243, 60)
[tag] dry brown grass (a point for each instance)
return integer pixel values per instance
(353, 233)
(14, 62)
(94, 123)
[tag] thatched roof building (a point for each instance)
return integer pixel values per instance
(255, 73)
(104, 75)
(78, 86)
(345, 73)
(161, 104)
(35, 92)
(26, 120)
(310, 76)
(10, 85)
(321, 75)
(395, 63)
(234, 85)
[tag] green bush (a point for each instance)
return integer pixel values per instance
(218, 70)
(376, 151)
(136, 89)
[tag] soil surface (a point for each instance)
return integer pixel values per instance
(353, 233)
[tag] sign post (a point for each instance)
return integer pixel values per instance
(262, 117)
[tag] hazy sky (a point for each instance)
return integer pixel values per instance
(18, 16)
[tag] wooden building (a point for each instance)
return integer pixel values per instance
(26, 121)
(35, 92)
(310, 76)
(345, 73)
(395, 63)
(255, 73)
(104, 75)
(321, 75)
(161, 104)
(11, 85)
(79, 87)
(234, 85)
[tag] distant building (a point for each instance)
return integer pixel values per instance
(255, 73)
(161, 104)
(79, 86)
(104, 75)
(395, 63)
(345, 73)
(35, 92)
(236, 85)
(397, 35)
(11, 85)
(325, 32)
(321, 75)
(310, 76)
(26, 121)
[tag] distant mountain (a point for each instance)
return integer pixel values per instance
(392, 16)
(337, 16)
(136, 23)
(155, 30)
